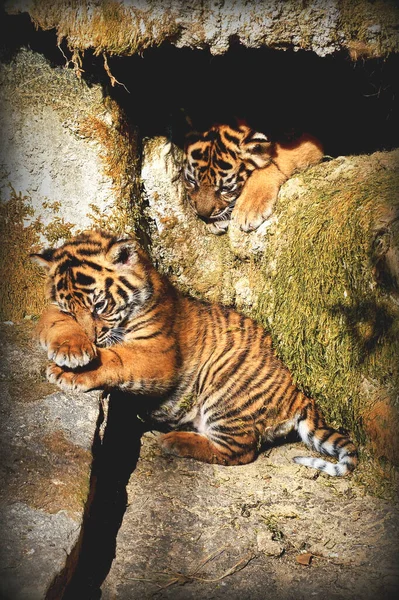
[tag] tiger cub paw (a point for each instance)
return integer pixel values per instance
(250, 217)
(176, 442)
(69, 380)
(72, 353)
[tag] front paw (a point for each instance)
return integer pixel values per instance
(75, 352)
(250, 217)
(69, 380)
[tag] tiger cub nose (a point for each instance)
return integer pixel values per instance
(204, 210)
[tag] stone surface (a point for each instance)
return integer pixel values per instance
(46, 439)
(219, 531)
(130, 26)
(193, 530)
(45, 156)
(204, 265)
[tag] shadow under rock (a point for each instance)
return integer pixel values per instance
(115, 458)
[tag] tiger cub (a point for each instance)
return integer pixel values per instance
(236, 173)
(210, 377)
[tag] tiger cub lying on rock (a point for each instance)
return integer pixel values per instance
(221, 392)
(236, 173)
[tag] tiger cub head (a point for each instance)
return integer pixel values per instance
(217, 165)
(102, 281)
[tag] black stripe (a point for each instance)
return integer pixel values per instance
(117, 356)
(196, 154)
(254, 398)
(83, 279)
(89, 251)
(292, 401)
(149, 336)
(122, 293)
(222, 164)
(221, 147)
(286, 400)
(127, 283)
(236, 361)
(236, 429)
(78, 294)
(232, 138)
(327, 433)
(252, 380)
(220, 317)
(93, 265)
(65, 266)
(209, 136)
(228, 441)
(81, 240)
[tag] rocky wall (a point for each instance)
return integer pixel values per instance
(47, 438)
(126, 27)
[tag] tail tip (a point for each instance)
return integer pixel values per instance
(335, 470)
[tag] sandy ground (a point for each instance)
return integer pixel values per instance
(193, 530)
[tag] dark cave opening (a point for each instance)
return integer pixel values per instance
(351, 106)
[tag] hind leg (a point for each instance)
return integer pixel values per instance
(195, 445)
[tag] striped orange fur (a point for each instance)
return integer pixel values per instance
(235, 172)
(220, 392)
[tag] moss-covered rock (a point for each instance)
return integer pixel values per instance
(332, 298)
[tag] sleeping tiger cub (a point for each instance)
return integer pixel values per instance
(209, 374)
(236, 173)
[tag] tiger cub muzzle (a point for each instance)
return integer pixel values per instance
(212, 208)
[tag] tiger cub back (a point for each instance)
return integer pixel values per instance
(220, 392)
(235, 172)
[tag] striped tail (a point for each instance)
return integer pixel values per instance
(318, 436)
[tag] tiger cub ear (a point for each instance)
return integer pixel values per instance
(123, 252)
(258, 148)
(44, 258)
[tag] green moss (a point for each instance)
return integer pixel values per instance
(21, 282)
(332, 323)
(58, 230)
(356, 18)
